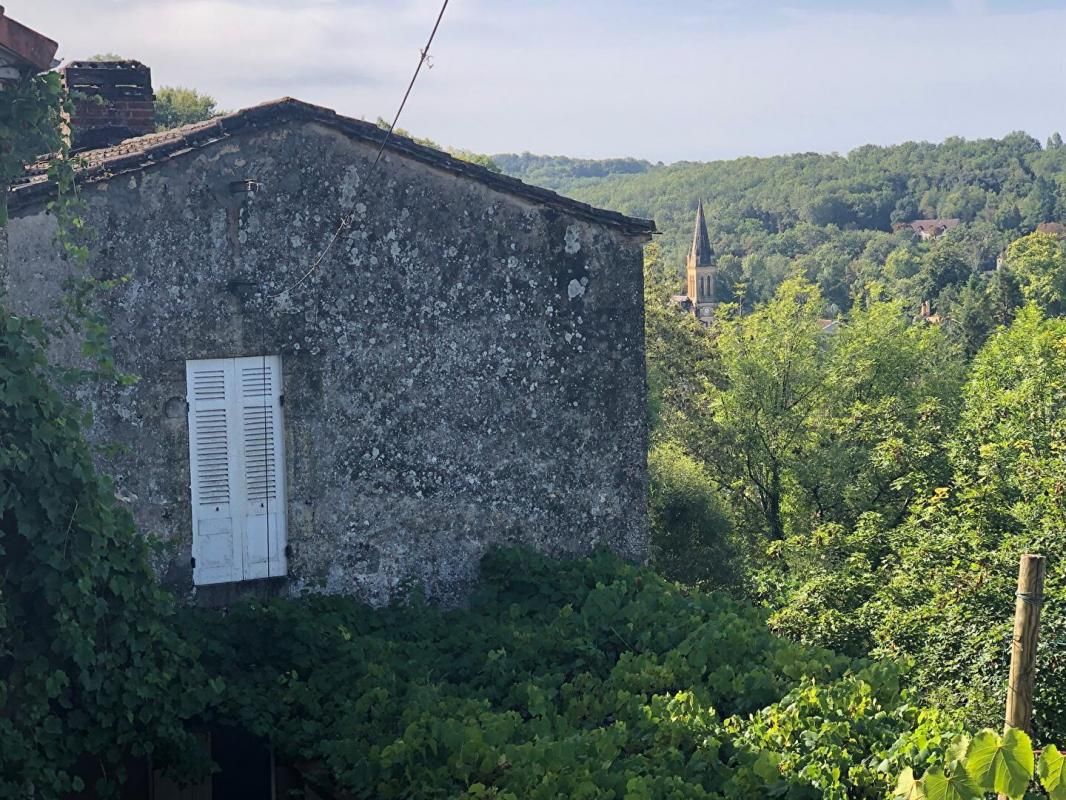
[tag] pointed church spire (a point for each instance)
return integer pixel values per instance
(701, 254)
(701, 270)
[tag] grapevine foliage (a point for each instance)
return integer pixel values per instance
(92, 669)
(987, 764)
(583, 679)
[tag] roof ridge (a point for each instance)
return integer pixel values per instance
(144, 151)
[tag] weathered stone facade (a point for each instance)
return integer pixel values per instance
(464, 367)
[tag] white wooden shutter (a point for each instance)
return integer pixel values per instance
(237, 465)
(215, 533)
(262, 466)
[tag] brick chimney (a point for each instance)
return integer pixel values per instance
(113, 100)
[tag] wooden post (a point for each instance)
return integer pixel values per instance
(1029, 598)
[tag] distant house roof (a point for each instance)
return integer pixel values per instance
(829, 326)
(933, 227)
(1052, 228)
(682, 301)
(144, 152)
(23, 50)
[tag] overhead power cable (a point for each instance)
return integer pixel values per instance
(349, 216)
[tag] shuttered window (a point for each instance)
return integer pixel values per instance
(237, 467)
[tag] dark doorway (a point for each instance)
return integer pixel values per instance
(245, 766)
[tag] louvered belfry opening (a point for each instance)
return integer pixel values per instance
(113, 101)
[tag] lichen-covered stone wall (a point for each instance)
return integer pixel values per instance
(462, 369)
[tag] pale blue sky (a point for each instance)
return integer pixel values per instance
(681, 80)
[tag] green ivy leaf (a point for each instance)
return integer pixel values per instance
(1001, 764)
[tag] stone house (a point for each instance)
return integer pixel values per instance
(348, 382)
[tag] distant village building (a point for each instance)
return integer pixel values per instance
(929, 228)
(1052, 229)
(926, 315)
(701, 273)
(351, 407)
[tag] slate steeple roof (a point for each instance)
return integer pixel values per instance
(701, 253)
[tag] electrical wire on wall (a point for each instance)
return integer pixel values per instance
(345, 223)
(349, 216)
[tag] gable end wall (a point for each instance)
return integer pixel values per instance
(462, 369)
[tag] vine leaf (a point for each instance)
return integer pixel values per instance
(907, 788)
(1001, 764)
(1050, 771)
(956, 786)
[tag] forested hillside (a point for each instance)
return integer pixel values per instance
(567, 174)
(829, 218)
(872, 487)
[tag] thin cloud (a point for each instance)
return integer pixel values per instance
(970, 7)
(686, 80)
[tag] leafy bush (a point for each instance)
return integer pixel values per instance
(690, 534)
(837, 741)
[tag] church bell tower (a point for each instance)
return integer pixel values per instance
(701, 269)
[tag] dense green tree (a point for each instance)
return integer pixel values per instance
(1006, 215)
(679, 350)
(979, 244)
(176, 106)
(1039, 262)
(806, 427)
(1041, 203)
(971, 316)
(964, 203)
(902, 264)
(880, 431)
(1012, 432)
(1006, 498)
(939, 587)
(758, 422)
(1004, 297)
(943, 265)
